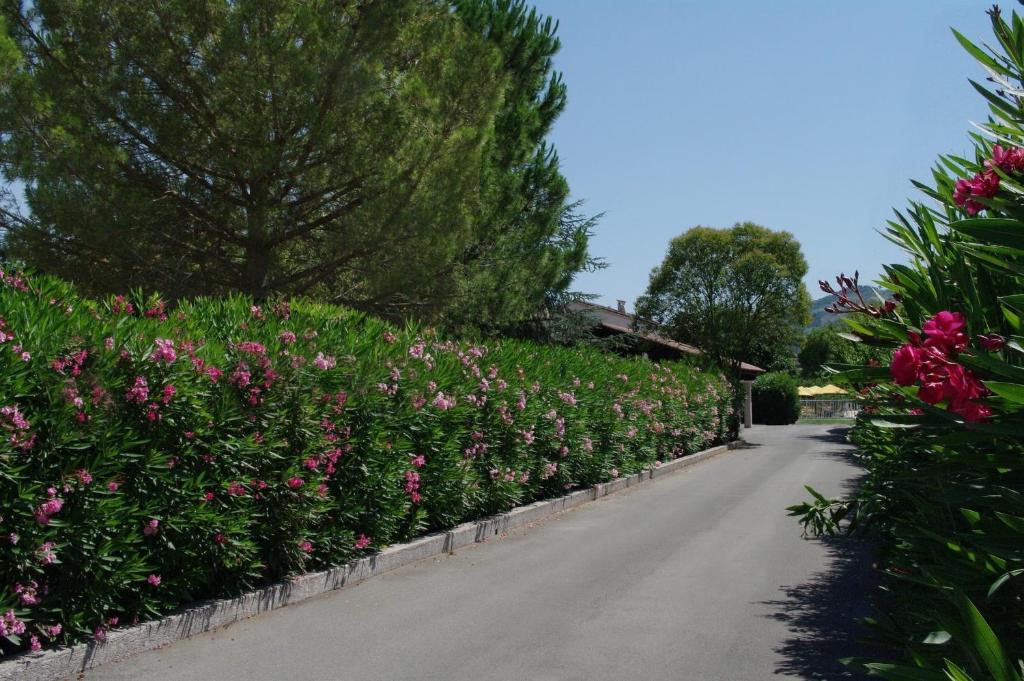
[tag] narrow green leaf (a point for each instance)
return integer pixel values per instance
(1010, 391)
(984, 640)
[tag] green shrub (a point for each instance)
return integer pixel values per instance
(152, 456)
(942, 432)
(775, 399)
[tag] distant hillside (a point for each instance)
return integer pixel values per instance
(821, 318)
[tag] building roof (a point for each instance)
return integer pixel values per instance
(622, 322)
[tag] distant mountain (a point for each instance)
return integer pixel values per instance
(820, 318)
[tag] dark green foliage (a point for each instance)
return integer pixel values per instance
(387, 155)
(529, 240)
(775, 399)
(736, 293)
(827, 345)
(257, 429)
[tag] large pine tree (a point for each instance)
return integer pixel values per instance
(530, 240)
(263, 146)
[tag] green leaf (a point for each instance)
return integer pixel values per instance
(1010, 391)
(1003, 579)
(977, 52)
(992, 364)
(1015, 523)
(999, 231)
(984, 640)
(900, 672)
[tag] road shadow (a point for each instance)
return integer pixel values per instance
(832, 435)
(822, 614)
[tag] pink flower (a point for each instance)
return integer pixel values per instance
(295, 482)
(83, 476)
(324, 362)
(992, 342)
(33, 643)
(287, 337)
(112, 486)
(946, 331)
(362, 542)
(11, 625)
(905, 365)
(46, 553)
(164, 351)
(169, 391)
(154, 580)
(47, 509)
(388, 337)
(984, 184)
(27, 593)
(241, 377)
(236, 489)
(419, 461)
(214, 374)
(151, 528)
(252, 348)
(139, 392)
(443, 403)
(972, 411)
(54, 630)
(306, 546)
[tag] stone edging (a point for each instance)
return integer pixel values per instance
(61, 663)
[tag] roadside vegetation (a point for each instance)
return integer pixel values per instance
(942, 433)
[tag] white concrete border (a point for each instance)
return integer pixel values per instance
(61, 663)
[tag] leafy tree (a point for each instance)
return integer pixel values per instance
(828, 345)
(201, 146)
(530, 239)
(736, 293)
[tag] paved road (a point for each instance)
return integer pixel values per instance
(700, 576)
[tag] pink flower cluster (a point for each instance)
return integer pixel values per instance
(15, 423)
(49, 508)
(164, 351)
(324, 362)
(986, 183)
(10, 625)
(412, 486)
(931, 364)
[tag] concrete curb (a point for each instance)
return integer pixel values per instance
(62, 663)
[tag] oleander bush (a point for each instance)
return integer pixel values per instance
(776, 398)
(942, 432)
(152, 456)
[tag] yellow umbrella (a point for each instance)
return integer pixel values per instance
(830, 390)
(807, 390)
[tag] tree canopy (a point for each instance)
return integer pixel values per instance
(388, 155)
(737, 293)
(826, 345)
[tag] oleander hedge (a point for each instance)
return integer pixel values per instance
(152, 456)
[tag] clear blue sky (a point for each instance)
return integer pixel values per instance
(809, 116)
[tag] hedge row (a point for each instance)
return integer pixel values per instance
(776, 399)
(154, 456)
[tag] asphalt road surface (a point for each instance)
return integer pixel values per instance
(699, 576)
